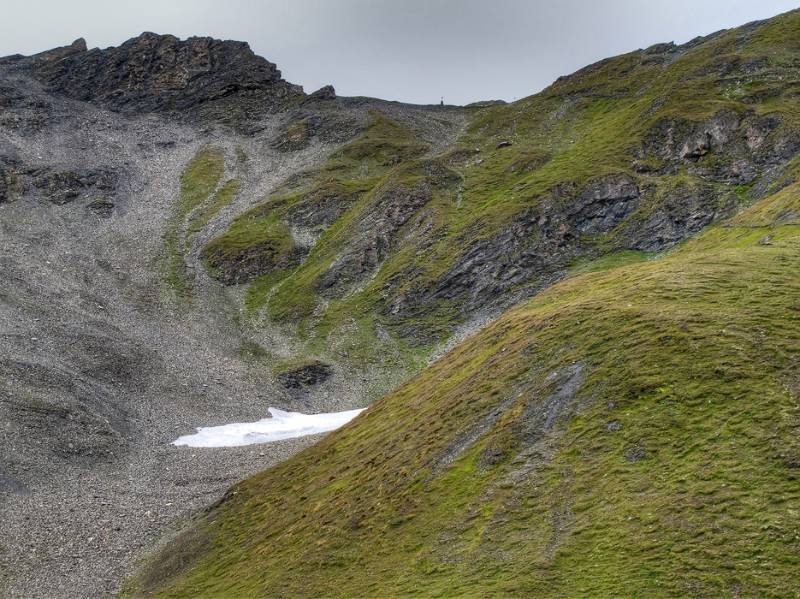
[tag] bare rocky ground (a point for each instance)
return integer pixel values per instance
(100, 367)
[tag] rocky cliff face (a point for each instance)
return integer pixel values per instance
(161, 73)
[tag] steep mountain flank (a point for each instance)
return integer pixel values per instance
(633, 154)
(117, 167)
(628, 432)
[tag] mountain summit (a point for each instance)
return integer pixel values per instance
(158, 73)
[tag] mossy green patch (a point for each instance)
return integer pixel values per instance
(259, 291)
(384, 143)
(198, 182)
(608, 261)
(222, 197)
(258, 232)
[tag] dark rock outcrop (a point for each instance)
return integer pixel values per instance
(101, 208)
(57, 186)
(392, 208)
(21, 112)
(156, 73)
(529, 251)
(604, 203)
(63, 187)
(728, 147)
(321, 207)
(10, 182)
(237, 268)
(325, 92)
(299, 380)
(679, 212)
(534, 250)
(371, 246)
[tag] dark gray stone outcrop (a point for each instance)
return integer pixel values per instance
(158, 73)
(65, 186)
(729, 147)
(298, 380)
(393, 206)
(529, 251)
(321, 207)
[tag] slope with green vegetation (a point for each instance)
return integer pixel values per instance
(631, 430)
(305, 249)
(393, 245)
(201, 198)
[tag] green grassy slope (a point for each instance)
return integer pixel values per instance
(198, 183)
(618, 118)
(329, 202)
(628, 432)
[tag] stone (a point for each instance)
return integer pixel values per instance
(635, 454)
(101, 208)
(63, 187)
(323, 93)
(156, 73)
(604, 203)
(298, 380)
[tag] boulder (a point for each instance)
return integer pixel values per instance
(298, 380)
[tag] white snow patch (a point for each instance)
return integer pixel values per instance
(282, 425)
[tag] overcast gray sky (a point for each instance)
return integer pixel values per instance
(411, 50)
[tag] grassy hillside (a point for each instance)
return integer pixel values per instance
(630, 431)
(390, 245)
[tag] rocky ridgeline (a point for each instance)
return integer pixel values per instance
(161, 73)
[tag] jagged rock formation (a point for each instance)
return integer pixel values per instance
(300, 378)
(156, 73)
